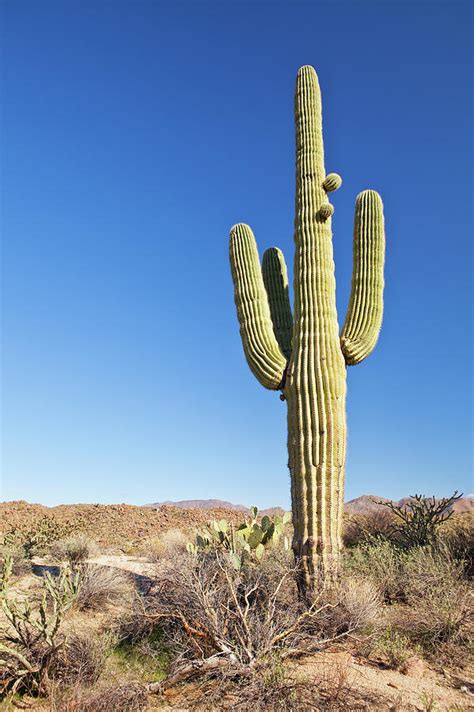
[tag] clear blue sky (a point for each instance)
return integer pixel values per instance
(134, 134)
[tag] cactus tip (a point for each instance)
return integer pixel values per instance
(306, 69)
(239, 227)
(371, 194)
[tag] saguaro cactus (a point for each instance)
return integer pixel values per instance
(304, 356)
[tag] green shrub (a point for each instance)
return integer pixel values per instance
(393, 647)
(381, 562)
(35, 540)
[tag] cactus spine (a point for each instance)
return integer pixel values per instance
(305, 357)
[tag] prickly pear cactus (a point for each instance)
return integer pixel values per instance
(246, 542)
(304, 355)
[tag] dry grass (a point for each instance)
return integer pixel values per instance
(84, 659)
(357, 607)
(167, 544)
(74, 550)
(439, 600)
(101, 586)
(127, 697)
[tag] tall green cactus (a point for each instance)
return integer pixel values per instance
(304, 356)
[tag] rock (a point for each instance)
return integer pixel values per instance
(413, 667)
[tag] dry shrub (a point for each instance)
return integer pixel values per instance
(127, 697)
(270, 687)
(363, 528)
(73, 549)
(101, 586)
(358, 606)
(136, 624)
(224, 622)
(84, 659)
(439, 599)
(457, 534)
(279, 687)
(167, 544)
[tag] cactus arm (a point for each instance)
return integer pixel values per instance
(364, 315)
(261, 348)
(275, 278)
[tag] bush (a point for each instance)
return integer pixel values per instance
(457, 535)
(381, 562)
(364, 528)
(127, 697)
(169, 543)
(73, 549)
(220, 620)
(439, 599)
(36, 540)
(393, 647)
(101, 586)
(84, 659)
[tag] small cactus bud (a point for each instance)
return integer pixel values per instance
(326, 210)
(333, 181)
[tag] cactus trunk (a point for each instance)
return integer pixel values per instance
(316, 377)
(310, 367)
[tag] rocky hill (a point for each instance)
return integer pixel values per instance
(126, 526)
(120, 525)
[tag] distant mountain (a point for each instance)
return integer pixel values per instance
(465, 504)
(369, 503)
(364, 504)
(200, 504)
(213, 504)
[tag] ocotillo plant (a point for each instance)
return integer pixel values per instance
(305, 356)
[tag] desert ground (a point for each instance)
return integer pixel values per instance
(139, 616)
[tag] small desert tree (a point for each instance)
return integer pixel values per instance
(420, 518)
